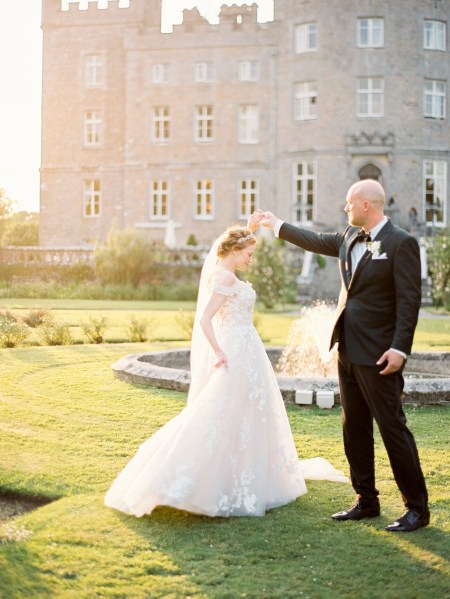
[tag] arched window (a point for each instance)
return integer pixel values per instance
(370, 171)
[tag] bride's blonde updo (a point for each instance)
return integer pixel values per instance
(235, 238)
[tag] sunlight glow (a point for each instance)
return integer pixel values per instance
(20, 84)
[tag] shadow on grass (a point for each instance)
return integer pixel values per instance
(15, 504)
(298, 550)
(21, 573)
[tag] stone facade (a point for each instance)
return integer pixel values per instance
(300, 108)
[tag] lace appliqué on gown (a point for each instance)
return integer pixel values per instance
(230, 451)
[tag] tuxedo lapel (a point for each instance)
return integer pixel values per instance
(346, 264)
(385, 232)
(364, 259)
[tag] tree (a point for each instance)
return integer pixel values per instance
(439, 267)
(21, 228)
(6, 209)
(128, 257)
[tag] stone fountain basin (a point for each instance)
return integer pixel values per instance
(427, 375)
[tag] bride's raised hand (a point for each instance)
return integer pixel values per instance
(254, 220)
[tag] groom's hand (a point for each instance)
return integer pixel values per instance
(268, 219)
(394, 362)
(254, 220)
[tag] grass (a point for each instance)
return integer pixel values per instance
(274, 327)
(68, 427)
(432, 333)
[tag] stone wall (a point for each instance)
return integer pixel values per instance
(338, 141)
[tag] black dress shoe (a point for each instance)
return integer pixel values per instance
(411, 520)
(358, 511)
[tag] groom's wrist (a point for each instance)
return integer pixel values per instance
(397, 351)
(277, 227)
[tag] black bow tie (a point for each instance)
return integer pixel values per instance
(362, 236)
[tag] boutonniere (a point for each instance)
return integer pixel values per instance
(374, 248)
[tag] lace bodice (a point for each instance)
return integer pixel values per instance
(237, 310)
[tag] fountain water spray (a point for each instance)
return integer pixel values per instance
(307, 354)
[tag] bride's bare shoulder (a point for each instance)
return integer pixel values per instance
(224, 277)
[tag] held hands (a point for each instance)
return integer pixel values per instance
(394, 362)
(259, 217)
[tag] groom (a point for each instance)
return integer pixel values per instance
(375, 321)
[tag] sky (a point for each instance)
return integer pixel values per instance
(20, 87)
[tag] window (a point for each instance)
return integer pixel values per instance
(370, 97)
(160, 73)
(370, 33)
(248, 70)
(305, 184)
(204, 199)
(435, 193)
(92, 197)
(92, 128)
(434, 97)
(204, 120)
(203, 72)
(248, 124)
(94, 71)
(159, 202)
(161, 124)
(248, 193)
(305, 101)
(305, 38)
(434, 34)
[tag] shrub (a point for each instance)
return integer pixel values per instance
(21, 233)
(439, 267)
(138, 328)
(128, 257)
(12, 332)
(34, 318)
(7, 316)
(269, 274)
(321, 261)
(191, 240)
(185, 321)
(53, 333)
(94, 328)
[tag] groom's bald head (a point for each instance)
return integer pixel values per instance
(364, 204)
(368, 190)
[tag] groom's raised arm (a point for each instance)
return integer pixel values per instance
(327, 244)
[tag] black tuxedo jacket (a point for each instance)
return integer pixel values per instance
(379, 305)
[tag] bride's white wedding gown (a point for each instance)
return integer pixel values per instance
(230, 451)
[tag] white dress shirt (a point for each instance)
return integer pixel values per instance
(359, 249)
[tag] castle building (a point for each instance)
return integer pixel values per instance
(200, 126)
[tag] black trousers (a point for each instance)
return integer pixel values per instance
(367, 395)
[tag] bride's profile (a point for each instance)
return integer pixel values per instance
(230, 451)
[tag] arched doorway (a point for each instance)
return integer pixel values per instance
(370, 171)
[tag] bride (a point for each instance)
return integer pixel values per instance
(230, 451)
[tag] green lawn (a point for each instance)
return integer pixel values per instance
(68, 427)
(162, 316)
(432, 334)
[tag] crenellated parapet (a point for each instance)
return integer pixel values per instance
(237, 15)
(230, 18)
(192, 21)
(86, 12)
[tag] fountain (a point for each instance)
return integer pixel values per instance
(305, 369)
